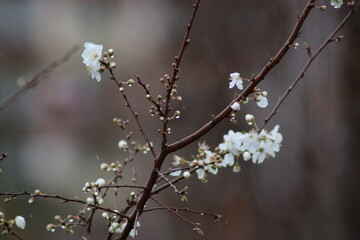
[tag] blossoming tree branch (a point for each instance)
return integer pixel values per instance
(255, 145)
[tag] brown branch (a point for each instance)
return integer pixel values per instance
(146, 194)
(216, 217)
(10, 231)
(147, 91)
(176, 70)
(37, 78)
(64, 200)
(128, 105)
(266, 69)
(329, 39)
(168, 184)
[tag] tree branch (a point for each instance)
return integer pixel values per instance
(328, 40)
(37, 79)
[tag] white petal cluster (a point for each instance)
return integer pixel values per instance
(91, 56)
(252, 145)
(336, 3)
(94, 189)
(236, 80)
(20, 222)
(116, 227)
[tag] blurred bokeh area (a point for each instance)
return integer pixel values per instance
(57, 134)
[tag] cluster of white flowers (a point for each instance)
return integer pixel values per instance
(260, 97)
(116, 227)
(91, 58)
(113, 166)
(94, 189)
(336, 3)
(252, 145)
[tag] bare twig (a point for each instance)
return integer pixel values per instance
(176, 70)
(147, 91)
(196, 227)
(128, 105)
(37, 79)
(10, 231)
(63, 199)
(216, 217)
(329, 39)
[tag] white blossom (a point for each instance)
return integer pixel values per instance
(20, 222)
(91, 56)
(235, 106)
(252, 145)
(236, 80)
(261, 101)
(100, 182)
(336, 3)
(122, 145)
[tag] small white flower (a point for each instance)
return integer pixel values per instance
(100, 182)
(91, 57)
(122, 145)
(186, 174)
(236, 80)
(261, 101)
(105, 215)
(336, 3)
(20, 222)
(235, 106)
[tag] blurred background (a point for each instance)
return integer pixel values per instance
(58, 133)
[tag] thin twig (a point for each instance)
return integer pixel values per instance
(64, 200)
(37, 79)
(10, 231)
(147, 91)
(196, 227)
(128, 105)
(176, 70)
(329, 39)
(216, 217)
